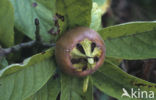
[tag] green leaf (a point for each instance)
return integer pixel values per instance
(25, 13)
(99, 7)
(89, 93)
(72, 89)
(103, 5)
(111, 80)
(96, 17)
(127, 29)
(6, 23)
(75, 13)
(49, 4)
(19, 81)
(3, 62)
(135, 40)
(98, 95)
(49, 91)
(100, 2)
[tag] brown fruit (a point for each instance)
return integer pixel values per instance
(80, 51)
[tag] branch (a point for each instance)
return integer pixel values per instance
(37, 41)
(37, 32)
(4, 52)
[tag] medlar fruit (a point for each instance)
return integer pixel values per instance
(80, 51)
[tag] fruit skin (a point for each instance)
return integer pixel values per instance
(68, 41)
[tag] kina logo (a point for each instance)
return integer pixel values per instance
(137, 93)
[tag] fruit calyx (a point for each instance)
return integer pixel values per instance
(85, 55)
